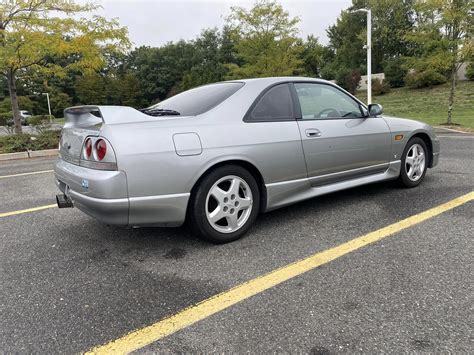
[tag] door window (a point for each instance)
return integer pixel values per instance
(319, 101)
(275, 105)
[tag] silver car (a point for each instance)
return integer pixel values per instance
(219, 154)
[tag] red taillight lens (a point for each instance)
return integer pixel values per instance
(88, 147)
(101, 149)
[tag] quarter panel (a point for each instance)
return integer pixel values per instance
(147, 153)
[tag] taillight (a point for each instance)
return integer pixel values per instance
(88, 147)
(101, 149)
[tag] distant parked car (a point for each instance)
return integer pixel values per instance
(24, 117)
(219, 154)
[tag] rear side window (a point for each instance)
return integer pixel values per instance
(275, 105)
(199, 100)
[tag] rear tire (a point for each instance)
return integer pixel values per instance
(414, 163)
(225, 204)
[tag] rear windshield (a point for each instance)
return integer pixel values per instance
(199, 100)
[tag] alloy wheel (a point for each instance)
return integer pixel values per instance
(415, 162)
(229, 204)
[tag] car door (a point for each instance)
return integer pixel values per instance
(339, 141)
(271, 137)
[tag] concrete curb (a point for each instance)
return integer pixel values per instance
(13, 156)
(42, 153)
(452, 130)
(29, 154)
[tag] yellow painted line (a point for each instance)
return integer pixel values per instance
(142, 337)
(28, 210)
(25, 174)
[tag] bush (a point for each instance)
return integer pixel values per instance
(380, 87)
(23, 142)
(5, 117)
(348, 79)
(426, 78)
(15, 143)
(47, 140)
(39, 120)
(395, 72)
(470, 71)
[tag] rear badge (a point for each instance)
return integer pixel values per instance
(85, 184)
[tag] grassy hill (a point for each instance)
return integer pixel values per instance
(429, 105)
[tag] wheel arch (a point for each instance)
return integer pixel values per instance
(429, 144)
(250, 167)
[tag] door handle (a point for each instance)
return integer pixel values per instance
(313, 132)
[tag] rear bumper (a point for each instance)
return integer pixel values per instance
(104, 196)
(98, 193)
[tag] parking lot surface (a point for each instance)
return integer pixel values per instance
(70, 283)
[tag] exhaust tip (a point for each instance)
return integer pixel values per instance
(63, 201)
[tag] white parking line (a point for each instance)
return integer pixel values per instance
(25, 174)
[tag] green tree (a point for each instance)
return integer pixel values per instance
(208, 62)
(391, 19)
(266, 41)
(313, 56)
(31, 31)
(444, 40)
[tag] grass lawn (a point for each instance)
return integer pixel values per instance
(429, 105)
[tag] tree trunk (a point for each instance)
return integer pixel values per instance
(451, 95)
(14, 101)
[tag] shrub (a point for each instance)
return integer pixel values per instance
(395, 72)
(5, 117)
(39, 120)
(348, 79)
(23, 142)
(15, 143)
(470, 71)
(426, 78)
(47, 140)
(380, 87)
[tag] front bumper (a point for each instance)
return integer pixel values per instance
(436, 150)
(104, 195)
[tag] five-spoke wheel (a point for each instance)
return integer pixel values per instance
(229, 204)
(414, 162)
(224, 204)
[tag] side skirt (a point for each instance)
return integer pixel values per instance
(284, 193)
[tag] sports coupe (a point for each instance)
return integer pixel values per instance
(218, 155)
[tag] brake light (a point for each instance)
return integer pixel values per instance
(88, 147)
(101, 149)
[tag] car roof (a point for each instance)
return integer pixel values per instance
(278, 79)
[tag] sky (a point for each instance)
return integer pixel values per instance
(156, 22)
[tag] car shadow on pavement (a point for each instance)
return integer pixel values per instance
(177, 243)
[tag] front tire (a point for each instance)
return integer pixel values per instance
(225, 204)
(414, 163)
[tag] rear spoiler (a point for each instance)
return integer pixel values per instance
(96, 116)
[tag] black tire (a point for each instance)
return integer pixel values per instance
(197, 205)
(404, 179)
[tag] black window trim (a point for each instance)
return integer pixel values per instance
(300, 116)
(296, 103)
(249, 119)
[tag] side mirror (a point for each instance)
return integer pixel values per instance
(375, 110)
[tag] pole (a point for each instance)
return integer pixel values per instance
(369, 56)
(49, 106)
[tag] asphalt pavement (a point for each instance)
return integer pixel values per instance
(70, 283)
